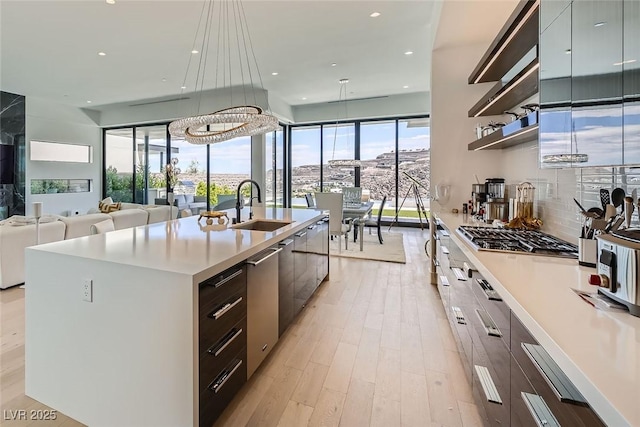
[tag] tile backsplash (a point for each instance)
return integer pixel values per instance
(556, 188)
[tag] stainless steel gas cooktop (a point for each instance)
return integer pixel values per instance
(520, 241)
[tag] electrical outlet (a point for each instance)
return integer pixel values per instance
(87, 290)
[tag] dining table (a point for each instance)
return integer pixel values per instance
(358, 212)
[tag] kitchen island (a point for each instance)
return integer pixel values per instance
(114, 321)
(599, 351)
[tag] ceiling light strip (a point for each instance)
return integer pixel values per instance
(506, 42)
(509, 89)
(506, 139)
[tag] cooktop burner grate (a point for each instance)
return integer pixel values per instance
(524, 241)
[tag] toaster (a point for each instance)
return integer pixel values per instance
(618, 263)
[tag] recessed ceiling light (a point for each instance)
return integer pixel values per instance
(183, 87)
(274, 74)
(375, 14)
(164, 80)
(405, 87)
(111, 1)
(304, 98)
(409, 52)
(600, 24)
(194, 51)
(88, 102)
(102, 54)
(333, 64)
(567, 52)
(628, 61)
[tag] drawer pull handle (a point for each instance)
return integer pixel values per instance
(488, 290)
(301, 234)
(444, 250)
(489, 325)
(459, 274)
(235, 333)
(272, 252)
(217, 384)
(228, 306)
(444, 280)
(286, 242)
(311, 227)
(227, 279)
(457, 313)
(560, 384)
(540, 412)
(488, 386)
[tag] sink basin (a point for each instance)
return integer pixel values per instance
(261, 225)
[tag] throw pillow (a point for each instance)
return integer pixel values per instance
(109, 207)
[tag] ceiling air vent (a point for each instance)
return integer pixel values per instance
(358, 99)
(160, 102)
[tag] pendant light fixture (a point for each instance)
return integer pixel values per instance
(236, 64)
(341, 163)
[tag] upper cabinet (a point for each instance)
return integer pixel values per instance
(631, 81)
(512, 62)
(588, 87)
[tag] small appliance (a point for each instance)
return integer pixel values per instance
(496, 206)
(618, 263)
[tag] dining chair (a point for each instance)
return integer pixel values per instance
(337, 227)
(371, 223)
(311, 203)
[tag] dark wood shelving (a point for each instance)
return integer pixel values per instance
(502, 97)
(517, 37)
(496, 140)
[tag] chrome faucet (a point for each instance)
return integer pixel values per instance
(238, 204)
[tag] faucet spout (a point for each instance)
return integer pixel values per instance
(238, 203)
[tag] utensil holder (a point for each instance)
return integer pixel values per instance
(587, 251)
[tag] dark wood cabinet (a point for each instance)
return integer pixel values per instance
(222, 341)
(285, 285)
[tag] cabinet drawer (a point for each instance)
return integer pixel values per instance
(219, 317)
(497, 309)
(221, 389)
(577, 414)
(222, 285)
(220, 353)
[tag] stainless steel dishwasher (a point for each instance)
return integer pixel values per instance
(262, 306)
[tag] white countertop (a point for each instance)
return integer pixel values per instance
(598, 350)
(184, 245)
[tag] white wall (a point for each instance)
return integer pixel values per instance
(451, 128)
(410, 104)
(49, 121)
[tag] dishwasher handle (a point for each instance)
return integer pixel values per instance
(273, 252)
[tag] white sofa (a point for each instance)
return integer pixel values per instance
(14, 239)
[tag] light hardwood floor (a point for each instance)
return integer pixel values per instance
(372, 348)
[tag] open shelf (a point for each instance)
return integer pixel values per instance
(502, 97)
(517, 37)
(497, 140)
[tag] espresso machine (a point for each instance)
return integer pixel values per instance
(496, 205)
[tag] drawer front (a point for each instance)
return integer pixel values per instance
(566, 413)
(219, 317)
(219, 354)
(221, 389)
(498, 311)
(222, 285)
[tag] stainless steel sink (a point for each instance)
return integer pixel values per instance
(261, 225)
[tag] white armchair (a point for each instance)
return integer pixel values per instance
(337, 227)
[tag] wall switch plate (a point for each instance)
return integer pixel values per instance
(87, 290)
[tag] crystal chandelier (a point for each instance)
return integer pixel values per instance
(342, 163)
(233, 38)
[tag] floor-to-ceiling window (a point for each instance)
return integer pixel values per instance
(413, 165)
(150, 157)
(118, 164)
(274, 168)
(338, 143)
(378, 170)
(305, 163)
(394, 154)
(230, 163)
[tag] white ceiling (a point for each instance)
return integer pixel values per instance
(49, 49)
